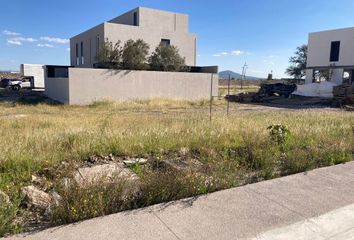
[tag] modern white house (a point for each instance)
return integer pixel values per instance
(331, 56)
(152, 25)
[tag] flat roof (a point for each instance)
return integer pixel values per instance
(334, 30)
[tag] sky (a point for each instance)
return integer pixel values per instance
(263, 33)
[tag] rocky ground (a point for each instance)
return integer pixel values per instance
(40, 195)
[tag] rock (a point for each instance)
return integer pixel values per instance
(4, 198)
(105, 172)
(184, 151)
(41, 182)
(56, 198)
(36, 198)
(133, 161)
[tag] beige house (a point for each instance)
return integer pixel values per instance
(151, 25)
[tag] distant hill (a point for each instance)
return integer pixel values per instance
(225, 75)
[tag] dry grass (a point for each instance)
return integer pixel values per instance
(36, 137)
(236, 89)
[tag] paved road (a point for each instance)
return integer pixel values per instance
(315, 205)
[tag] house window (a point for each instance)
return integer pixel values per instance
(82, 52)
(321, 75)
(335, 48)
(165, 42)
(97, 45)
(135, 19)
(77, 54)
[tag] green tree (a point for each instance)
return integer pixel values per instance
(166, 58)
(298, 63)
(134, 55)
(109, 55)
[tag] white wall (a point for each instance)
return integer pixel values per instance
(309, 76)
(86, 85)
(319, 47)
(34, 70)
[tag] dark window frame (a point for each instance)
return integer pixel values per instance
(335, 51)
(97, 45)
(82, 52)
(165, 41)
(77, 53)
(135, 19)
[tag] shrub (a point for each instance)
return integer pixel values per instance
(134, 55)
(166, 58)
(80, 203)
(8, 223)
(110, 55)
(279, 133)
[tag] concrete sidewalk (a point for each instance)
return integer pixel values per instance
(315, 205)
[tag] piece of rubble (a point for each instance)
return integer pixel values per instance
(184, 151)
(4, 198)
(104, 172)
(56, 198)
(132, 161)
(37, 198)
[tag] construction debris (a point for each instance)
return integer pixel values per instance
(278, 89)
(133, 161)
(266, 90)
(105, 173)
(344, 95)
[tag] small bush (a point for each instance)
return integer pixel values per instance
(166, 58)
(8, 222)
(279, 133)
(110, 55)
(134, 55)
(80, 203)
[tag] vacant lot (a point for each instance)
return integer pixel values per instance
(51, 141)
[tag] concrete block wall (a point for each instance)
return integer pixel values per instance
(85, 85)
(57, 89)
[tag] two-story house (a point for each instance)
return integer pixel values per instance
(151, 25)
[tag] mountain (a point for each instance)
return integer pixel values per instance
(225, 75)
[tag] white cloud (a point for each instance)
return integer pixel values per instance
(22, 39)
(233, 53)
(270, 62)
(55, 40)
(14, 42)
(237, 52)
(9, 33)
(45, 45)
(272, 56)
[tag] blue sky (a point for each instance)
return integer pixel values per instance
(263, 33)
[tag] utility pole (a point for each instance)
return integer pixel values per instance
(244, 70)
